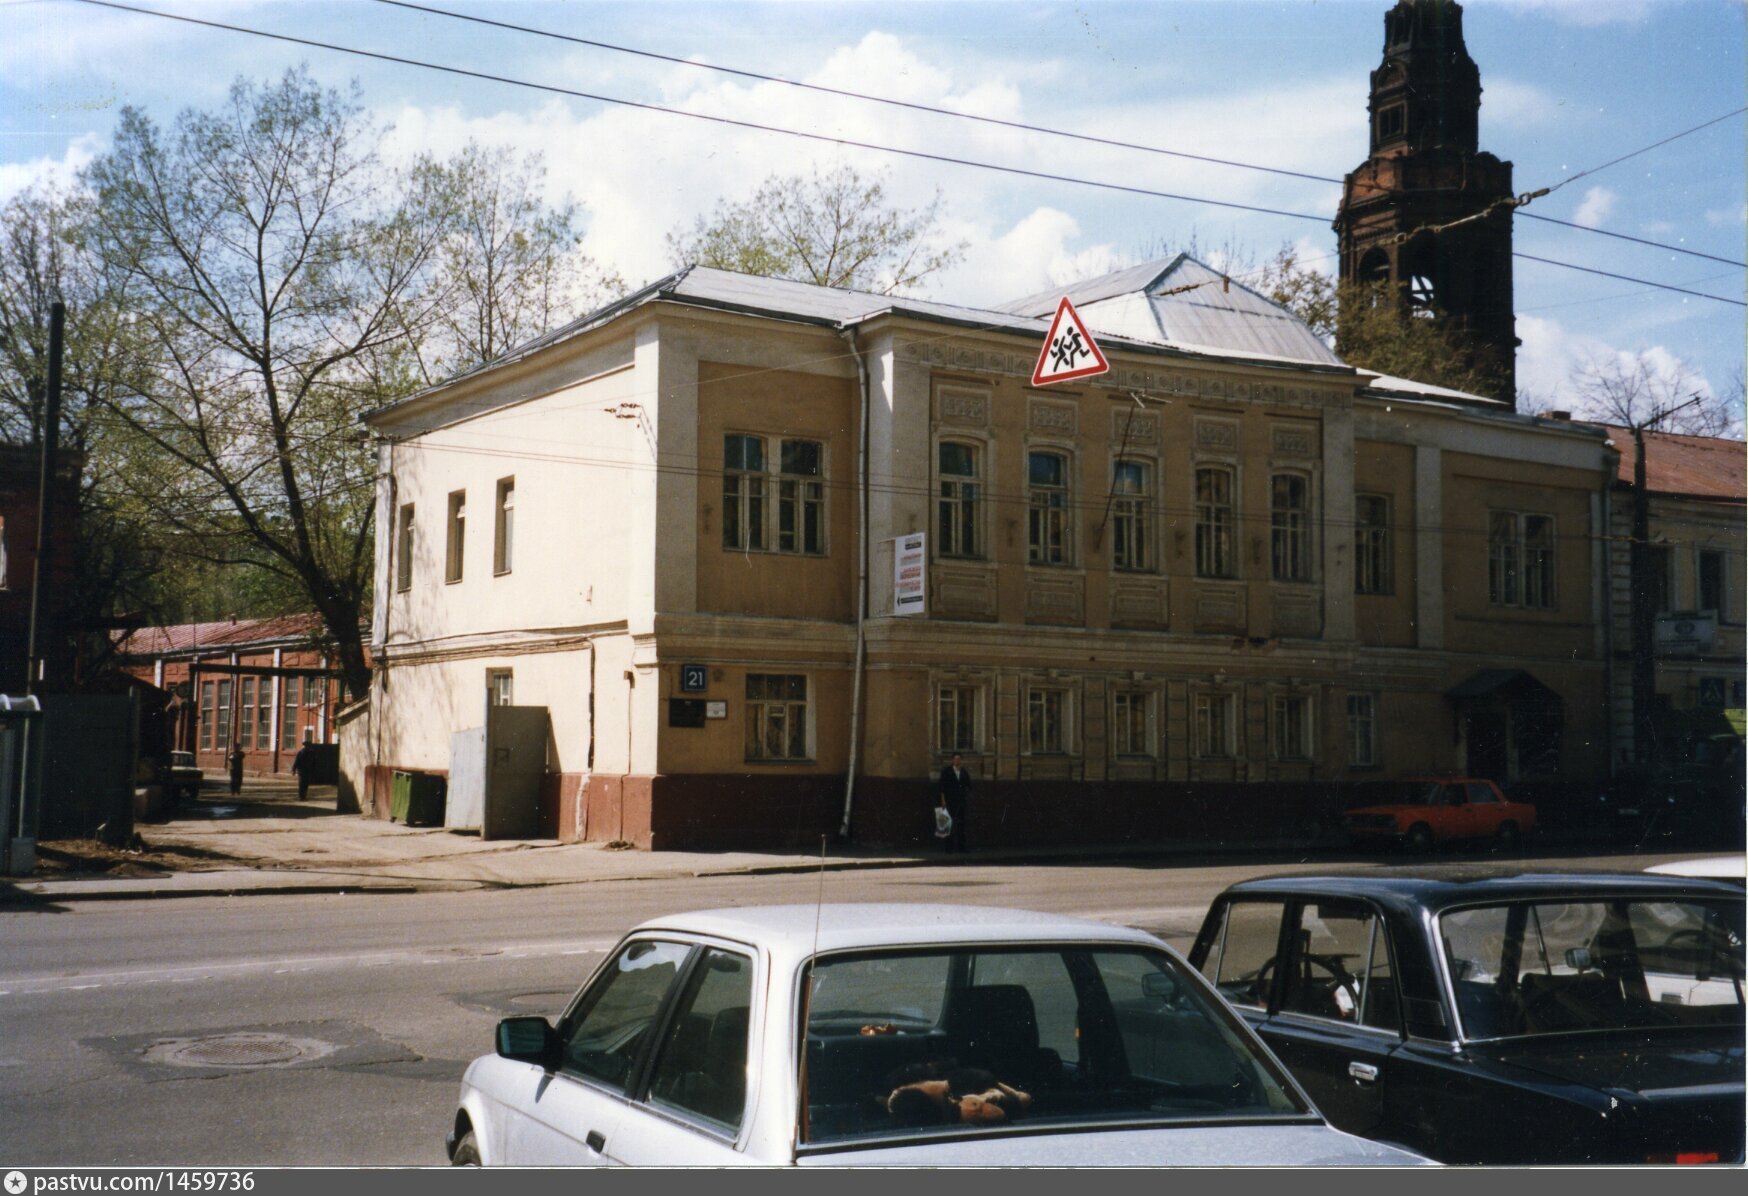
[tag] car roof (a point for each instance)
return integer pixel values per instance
(799, 930)
(1441, 887)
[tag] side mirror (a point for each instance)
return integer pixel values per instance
(1161, 986)
(1579, 958)
(528, 1040)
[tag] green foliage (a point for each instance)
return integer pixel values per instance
(1375, 333)
(835, 229)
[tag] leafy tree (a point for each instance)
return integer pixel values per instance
(1374, 333)
(835, 229)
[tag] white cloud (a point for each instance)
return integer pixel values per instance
(1598, 205)
(57, 172)
(1725, 217)
(1552, 356)
(1580, 12)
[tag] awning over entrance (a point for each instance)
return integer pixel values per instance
(1511, 684)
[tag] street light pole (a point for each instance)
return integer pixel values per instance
(50, 434)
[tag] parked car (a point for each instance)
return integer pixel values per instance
(1483, 1016)
(890, 1035)
(183, 778)
(1420, 812)
(1717, 867)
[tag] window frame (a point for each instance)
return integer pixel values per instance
(1290, 946)
(693, 971)
(405, 541)
(1720, 603)
(1303, 724)
(744, 490)
(222, 716)
(962, 495)
(1050, 510)
(290, 702)
(504, 527)
(963, 690)
(1204, 699)
(1509, 563)
(508, 688)
(805, 494)
(1290, 540)
(757, 712)
(208, 714)
(1370, 721)
(455, 538)
(1065, 740)
(1132, 520)
(1150, 737)
(1216, 523)
(1374, 548)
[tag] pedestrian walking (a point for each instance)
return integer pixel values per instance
(955, 792)
(300, 765)
(237, 771)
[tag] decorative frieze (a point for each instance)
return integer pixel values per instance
(962, 591)
(1138, 602)
(1137, 428)
(1220, 608)
(1216, 435)
(1052, 419)
(1294, 438)
(962, 406)
(1296, 616)
(1060, 601)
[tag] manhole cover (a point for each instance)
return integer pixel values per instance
(243, 1049)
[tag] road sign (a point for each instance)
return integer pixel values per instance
(1069, 350)
(694, 678)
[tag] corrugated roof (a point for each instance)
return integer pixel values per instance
(1697, 466)
(228, 634)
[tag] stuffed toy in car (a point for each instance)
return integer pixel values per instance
(943, 1093)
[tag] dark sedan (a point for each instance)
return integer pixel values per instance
(1489, 1017)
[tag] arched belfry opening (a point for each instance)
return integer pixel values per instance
(1425, 170)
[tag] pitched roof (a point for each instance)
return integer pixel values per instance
(1693, 466)
(228, 634)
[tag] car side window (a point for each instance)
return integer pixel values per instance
(1481, 794)
(1326, 975)
(1453, 795)
(612, 1022)
(1243, 959)
(1381, 1004)
(701, 1070)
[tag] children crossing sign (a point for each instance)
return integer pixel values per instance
(1069, 350)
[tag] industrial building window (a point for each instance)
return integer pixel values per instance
(776, 716)
(1362, 731)
(1520, 560)
(504, 536)
(246, 720)
(457, 541)
(801, 497)
(206, 717)
(1047, 721)
(404, 551)
(1131, 519)
(222, 720)
(1371, 545)
(1214, 521)
(1290, 726)
(1216, 725)
(1290, 527)
(1047, 523)
(288, 738)
(956, 718)
(1132, 723)
(958, 534)
(743, 493)
(500, 687)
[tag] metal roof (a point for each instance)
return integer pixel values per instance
(1691, 466)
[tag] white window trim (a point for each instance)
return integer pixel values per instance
(1151, 697)
(978, 706)
(1235, 711)
(1070, 741)
(983, 459)
(809, 704)
(1307, 725)
(1149, 509)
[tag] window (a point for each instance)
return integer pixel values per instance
(1214, 519)
(1520, 560)
(1371, 545)
(504, 534)
(457, 542)
(1290, 527)
(801, 497)
(607, 1032)
(246, 719)
(1290, 727)
(288, 737)
(222, 723)
(1390, 122)
(958, 516)
(701, 1070)
(1341, 967)
(1242, 962)
(1711, 582)
(1131, 517)
(743, 493)
(404, 551)
(956, 718)
(206, 716)
(776, 716)
(500, 690)
(1047, 520)
(1659, 589)
(1046, 725)
(1132, 723)
(1215, 730)
(1362, 731)
(264, 716)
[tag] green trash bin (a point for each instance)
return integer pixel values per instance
(417, 799)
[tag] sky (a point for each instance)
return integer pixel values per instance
(1568, 85)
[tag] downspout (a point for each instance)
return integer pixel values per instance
(373, 777)
(849, 335)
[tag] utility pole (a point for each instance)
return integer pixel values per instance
(50, 436)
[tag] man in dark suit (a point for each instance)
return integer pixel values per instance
(955, 790)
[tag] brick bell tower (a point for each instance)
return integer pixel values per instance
(1426, 169)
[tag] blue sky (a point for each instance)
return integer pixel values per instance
(1569, 84)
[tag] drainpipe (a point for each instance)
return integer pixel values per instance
(849, 335)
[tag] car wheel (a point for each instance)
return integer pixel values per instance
(1510, 838)
(466, 1152)
(1420, 838)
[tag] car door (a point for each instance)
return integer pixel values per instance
(1336, 1021)
(1237, 951)
(1485, 810)
(571, 1116)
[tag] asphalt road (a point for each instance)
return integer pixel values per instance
(111, 1012)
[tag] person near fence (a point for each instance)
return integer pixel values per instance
(955, 794)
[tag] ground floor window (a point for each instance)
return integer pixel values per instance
(500, 687)
(1362, 730)
(206, 716)
(956, 718)
(776, 716)
(1132, 723)
(288, 737)
(1216, 725)
(1290, 726)
(222, 718)
(1046, 721)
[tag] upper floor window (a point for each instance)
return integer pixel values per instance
(800, 493)
(776, 716)
(1520, 560)
(1714, 592)
(960, 495)
(1047, 521)
(404, 550)
(1659, 584)
(743, 493)
(1131, 518)
(1290, 527)
(1371, 545)
(801, 497)
(504, 537)
(1214, 522)
(457, 540)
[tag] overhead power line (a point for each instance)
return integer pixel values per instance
(820, 137)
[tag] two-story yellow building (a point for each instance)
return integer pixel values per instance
(1189, 598)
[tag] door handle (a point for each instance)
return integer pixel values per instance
(1365, 1073)
(596, 1141)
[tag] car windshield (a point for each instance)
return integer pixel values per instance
(1552, 967)
(948, 1041)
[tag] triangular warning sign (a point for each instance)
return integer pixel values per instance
(1069, 350)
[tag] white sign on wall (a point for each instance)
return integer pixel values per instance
(910, 585)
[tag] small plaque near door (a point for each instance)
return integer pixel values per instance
(685, 712)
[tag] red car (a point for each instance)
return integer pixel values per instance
(1422, 811)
